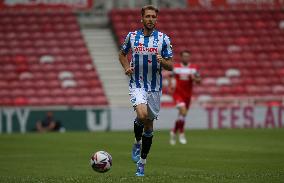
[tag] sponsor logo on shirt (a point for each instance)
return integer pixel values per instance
(144, 50)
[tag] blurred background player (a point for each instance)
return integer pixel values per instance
(185, 75)
(49, 124)
(151, 51)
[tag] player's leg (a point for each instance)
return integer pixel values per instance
(142, 114)
(141, 111)
(137, 98)
(138, 131)
(173, 134)
(153, 108)
(177, 124)
(146, 146)
(182, 116)
(147, 138)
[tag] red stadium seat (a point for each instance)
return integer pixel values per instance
(24, 40)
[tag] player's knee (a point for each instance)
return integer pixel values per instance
(142, 116)
(183, 111)
(148, 133)
(138, 123)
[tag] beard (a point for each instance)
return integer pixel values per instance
(149, 26)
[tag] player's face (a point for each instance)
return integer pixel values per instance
(185, 57)
(49, 114)
(149, 19)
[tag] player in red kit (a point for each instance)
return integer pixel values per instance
(185, 75)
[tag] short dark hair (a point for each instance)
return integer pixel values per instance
(185, 51)
(149, 7)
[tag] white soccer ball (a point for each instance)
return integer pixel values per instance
(101, 161)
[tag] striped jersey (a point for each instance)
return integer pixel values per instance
(147, 71)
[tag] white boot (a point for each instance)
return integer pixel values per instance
(182, 138)
(172, 138)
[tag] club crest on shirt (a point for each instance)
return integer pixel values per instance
(155, 43)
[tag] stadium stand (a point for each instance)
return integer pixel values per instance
(44, 61)
(240, 52)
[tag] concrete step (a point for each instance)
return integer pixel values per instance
(120, 104)
(114, 80)
(110, 78)
(117, 73)
(108, 64)
(113, 64)
(101, 41)
(119, 94)
(114, 91)
(104, 51)
(106, 56)
(102, 48)
(121, 82)
(106, 59)
(119, 100)
(117, 91)
(120, 90)
(112, 70)
(98, 32)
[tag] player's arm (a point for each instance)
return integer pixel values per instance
(123, 55)
(166, 57)
(166, 63)
(196, 78)
(124, 63)
(39, 126)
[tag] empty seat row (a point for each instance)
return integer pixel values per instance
(44, 61)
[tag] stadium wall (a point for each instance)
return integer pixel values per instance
(24, 119)
(210, 117)
(104, 119)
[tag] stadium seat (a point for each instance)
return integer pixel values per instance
(37, 49)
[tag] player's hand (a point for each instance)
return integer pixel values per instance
(159, 58)
(196, 77)
(129, 71)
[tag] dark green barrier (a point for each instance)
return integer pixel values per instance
(24, 119)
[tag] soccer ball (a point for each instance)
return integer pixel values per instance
(101, 161)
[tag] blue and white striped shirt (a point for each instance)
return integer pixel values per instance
(147, 71)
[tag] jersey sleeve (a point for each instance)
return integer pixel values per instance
(197, 71)
(126, 44)
(167, 50)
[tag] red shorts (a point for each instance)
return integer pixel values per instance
(181, 101)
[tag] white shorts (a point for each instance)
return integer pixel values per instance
(151, 99)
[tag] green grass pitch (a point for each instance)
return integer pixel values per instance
(241, 155)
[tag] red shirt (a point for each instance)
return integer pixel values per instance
(184, 83)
